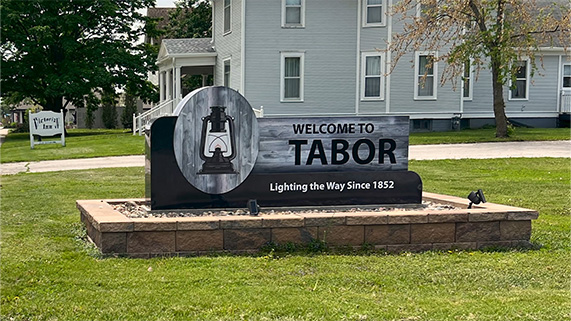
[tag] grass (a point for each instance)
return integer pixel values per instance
(489, 135)
(80, 143)
(49, 272)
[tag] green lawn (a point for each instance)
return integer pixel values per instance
(49, 272)
(80, 143)
(489, 135)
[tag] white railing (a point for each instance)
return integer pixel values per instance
(259, 112)
(165, 108)
(565, 102)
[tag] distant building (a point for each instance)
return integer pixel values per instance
(321, 58)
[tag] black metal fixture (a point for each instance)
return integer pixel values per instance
(476, 198)
(217, 144)
(253, 207)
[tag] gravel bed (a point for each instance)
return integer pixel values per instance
(139, 210)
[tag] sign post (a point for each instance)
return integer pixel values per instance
(46, 123)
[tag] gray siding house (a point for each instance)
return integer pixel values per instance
(325, 57)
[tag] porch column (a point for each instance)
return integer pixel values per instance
(177, 89)
(169, 85)
(204, 77)
(162, 86)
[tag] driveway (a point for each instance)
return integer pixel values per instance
(417, 152)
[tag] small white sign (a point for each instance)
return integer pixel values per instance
(46, 123)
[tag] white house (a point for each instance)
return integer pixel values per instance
(322, 57)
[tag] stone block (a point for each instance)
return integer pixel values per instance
(523, 215)
(246, 239)
(387, 234)
(477, 231)
(282, 221)
(297, 235)
(403, 218)
(447, 217)
(515, 230)
(454, 246)
(492, 244)
(323, 219)
(238, 222)
(114, 226)
(151, 242)
(342, 235)
(113, 243)
(154, 224)
(487, 217)
(432, 233)
(193, 223)
(367, 218)
(188, 241)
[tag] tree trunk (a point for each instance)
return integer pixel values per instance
(54, 104)
(499, 104)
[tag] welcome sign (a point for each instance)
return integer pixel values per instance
(215, 153)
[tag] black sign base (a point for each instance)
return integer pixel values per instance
(168, 189)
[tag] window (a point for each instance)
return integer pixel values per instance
(372, 80)
(227, 16)
(227, 72)
(374, 13)
(426, 73)
(567, 76)
(292, 77)
(520, 89)
(422, 124)
(293, 13)
(467, 82)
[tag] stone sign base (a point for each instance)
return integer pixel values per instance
(485, 225)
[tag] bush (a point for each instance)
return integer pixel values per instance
(130, 109)
(109, 116)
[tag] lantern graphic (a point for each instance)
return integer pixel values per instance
(217, 143)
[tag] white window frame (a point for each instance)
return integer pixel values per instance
(527, 81)
(471, 77)
(434, 75)
(563, 75)
(224, 6)
(226, 62)
(285, 55)
(364, 76)
(301, 18)
(383, 14)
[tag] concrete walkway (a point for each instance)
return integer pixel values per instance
(418, 152)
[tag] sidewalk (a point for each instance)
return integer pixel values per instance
(417, 152)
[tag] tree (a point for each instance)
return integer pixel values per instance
(60, 50)
(190, 19)
(130, 109)
(493, 34)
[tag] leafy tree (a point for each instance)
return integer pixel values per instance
(128, 111)
(61, 50)
(190, 19)
(109, 110)
(492, 34)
